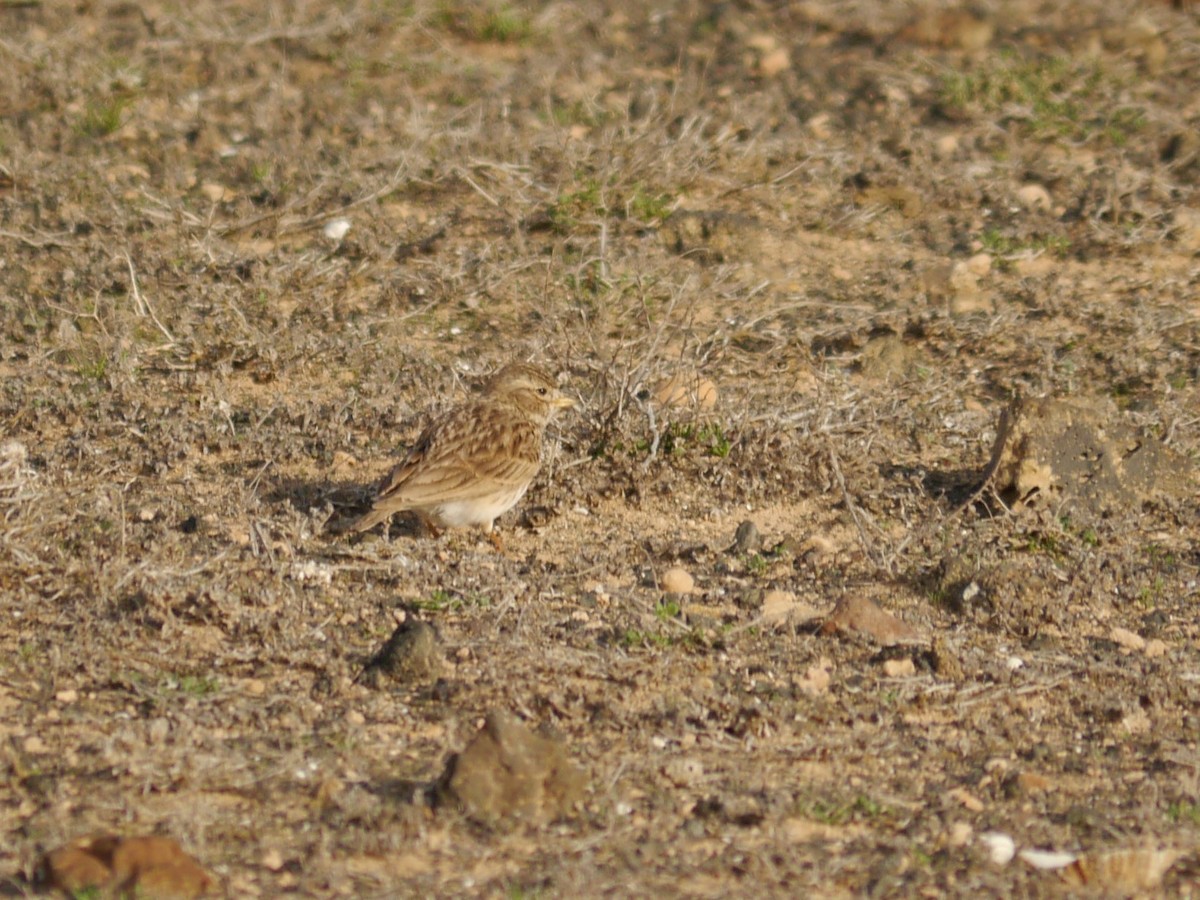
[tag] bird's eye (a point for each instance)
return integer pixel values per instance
(541, 392)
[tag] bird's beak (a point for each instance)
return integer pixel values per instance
(561, 402)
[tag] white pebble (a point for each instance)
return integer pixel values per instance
(1001, 848)
(337, 229)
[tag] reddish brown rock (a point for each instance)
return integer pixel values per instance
(858, 615)
(137, 867)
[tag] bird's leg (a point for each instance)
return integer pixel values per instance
(494, 536)
(430, 529)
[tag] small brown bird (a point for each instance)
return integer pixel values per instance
(474, 463)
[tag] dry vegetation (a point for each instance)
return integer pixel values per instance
(869, 225)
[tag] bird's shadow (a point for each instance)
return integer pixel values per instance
(342, 501)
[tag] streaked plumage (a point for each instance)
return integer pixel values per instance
(474, 463)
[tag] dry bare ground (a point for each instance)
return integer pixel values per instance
(249, 247)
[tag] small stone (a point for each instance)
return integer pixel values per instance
(980, 264)
(1186, 230)
(684, 771)
(354, 717)
(68, 696)
(899, 668)
(858, 615)
(771, 64)
(1155, 648)
(1035, 266)
(1000, 847)
(965, 798)
(272, 860)
(905, 200)
(818, 546)
(946, 145)
(1129, 640)
(215, 193)
(746, 539)
(1046, 860)
(412, 654)
(960, 834)
(820, 126)
(945, 663)
(34, 744)
(816, 679)
(336, 229)
(778, 607)
(682, 392)
(1033, 196)
(676, 580)
(1033, 783)
(159, 729)
(952, 29)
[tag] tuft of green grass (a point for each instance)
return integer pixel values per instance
(1001, 245)
(440, 601)
(94, 368)
(1051, 97)
(570, 207)
(590, 199)
(500, 24)
(193, 685)
(103, 116)
(1184, 811)
(757, 564)
(668, 609)
(635, 637)
(647, 206)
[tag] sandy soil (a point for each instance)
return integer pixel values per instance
(794, 260)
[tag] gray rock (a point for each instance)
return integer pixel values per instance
(508, 775)
(412, 654)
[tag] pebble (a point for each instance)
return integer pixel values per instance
(337, 229)
(777, 607)
(960, 834)
(676, 580)
(1001, 848)
(854, 614)
(746, 539)
(1127, 639)
(1033, 196)
(684, 391)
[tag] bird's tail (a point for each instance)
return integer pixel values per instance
(366, 521)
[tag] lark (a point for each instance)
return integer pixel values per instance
(477, 461)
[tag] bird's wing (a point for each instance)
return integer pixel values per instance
(457, 458)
